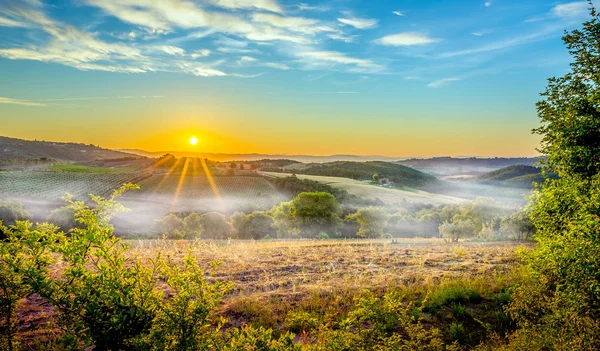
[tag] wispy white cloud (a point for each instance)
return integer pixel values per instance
(341, 37)
(568, 11)
(507, 43)
(239, 75)
(268, 5)
(406, 39)
(477, 34)
(7, 22)
(398, 13)
(5, 100)
(296, 24)
(246, 59)
(277, 65)
(442, 82)
(359, 23)
(572, 9)
(340, 58)
(306, 7)
(200, 53)
(172, 50)
(487, 4)
(201, 71)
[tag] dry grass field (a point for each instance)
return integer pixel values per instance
(272, 278)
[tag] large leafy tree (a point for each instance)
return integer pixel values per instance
(559, 308)
(570, 112)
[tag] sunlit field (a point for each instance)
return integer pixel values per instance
(272, 279)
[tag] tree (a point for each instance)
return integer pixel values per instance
(375, 177)
(171, 227)
(372, 222)
(570, 111)
(192, 226)
(560, 307)
(216, 226)
(457, 229)
(12, 211)
(518, 224)
(233, 165)
(255, 225)
(308, 214)
(63, 217)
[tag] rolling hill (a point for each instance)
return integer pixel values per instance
(447, 166)
(401, 176)
(520, 176)
(19, 149)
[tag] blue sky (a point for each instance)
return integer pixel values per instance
(463, 76)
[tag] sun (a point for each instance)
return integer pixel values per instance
(193, 140)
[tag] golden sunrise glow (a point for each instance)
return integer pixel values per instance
(193, 140)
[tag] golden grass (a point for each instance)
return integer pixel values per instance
(274, 277)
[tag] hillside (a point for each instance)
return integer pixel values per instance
(400, 175)
(448, 166)
(520, 176)
(19, 149)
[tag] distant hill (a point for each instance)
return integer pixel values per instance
(520, 176)
(447, 166)
(223, 157)
(398, 174)
(19, 149)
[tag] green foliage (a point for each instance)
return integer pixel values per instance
(560, 308)
(308, 214)
(63, 217)
(12, 211)
(372, 222)
(255, 225)
(103, 297)
(448, 294)
(216, 226)
(519, 225)
(458, 310)
(293, 186)
(322, 236)
(388, 324)
(183, 322)
(192, 226)
(258, 339)
(398, 174)
(457, 229)
(300, 321)
(457, 331)
(171, 227)
(569, 113)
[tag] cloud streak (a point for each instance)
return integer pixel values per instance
(406, 39)
(442, 82)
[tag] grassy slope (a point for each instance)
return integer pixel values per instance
(86, 169)
(515, 176)
(402, 176)
(372, 192)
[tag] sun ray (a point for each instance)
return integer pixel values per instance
(213, 185)
(168, 174)
(180, 183)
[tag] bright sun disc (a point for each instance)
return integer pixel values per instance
(193, 140)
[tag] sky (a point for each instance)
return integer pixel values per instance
(394, 78)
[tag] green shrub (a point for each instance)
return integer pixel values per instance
(457, 332)
(458, 311)
(322, 236)
(300, 321)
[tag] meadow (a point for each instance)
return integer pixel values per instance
(276, 284)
